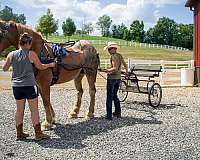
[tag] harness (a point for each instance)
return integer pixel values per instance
(57, 54)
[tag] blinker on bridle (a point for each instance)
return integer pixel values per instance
(4, 30)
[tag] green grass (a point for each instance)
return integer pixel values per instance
(149, 53)
(131, 51)
(128, 51)
(79, 37)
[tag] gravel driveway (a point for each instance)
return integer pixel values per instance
(171, 131)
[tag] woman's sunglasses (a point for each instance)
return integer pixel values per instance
(27, 40)
(109, 49)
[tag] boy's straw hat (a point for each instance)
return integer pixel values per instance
(111, 45)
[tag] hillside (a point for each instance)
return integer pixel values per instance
(127, 51)
(131, 51)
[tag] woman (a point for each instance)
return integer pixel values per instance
(24, 84)
(113, 79)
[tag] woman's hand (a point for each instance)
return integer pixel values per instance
(52, 64)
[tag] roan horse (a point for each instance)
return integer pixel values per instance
(86, 64)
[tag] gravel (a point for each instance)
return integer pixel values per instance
(171, 131)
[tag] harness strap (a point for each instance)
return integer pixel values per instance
(55, 72)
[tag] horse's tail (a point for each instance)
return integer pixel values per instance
(98, 59)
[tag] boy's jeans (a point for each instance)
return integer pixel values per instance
(112, 88)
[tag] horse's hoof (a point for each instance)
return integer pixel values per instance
(53, 121)
(89, 116)
(73, 115)
(46, 126)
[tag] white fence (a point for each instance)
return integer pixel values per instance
(173, 67)
(170, 69)
(163, 63)
(135, 44)
(141, 45)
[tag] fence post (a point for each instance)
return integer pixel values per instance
(129, 64)
(162, 73)
(192, 64)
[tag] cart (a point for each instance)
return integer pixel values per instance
(141, 79)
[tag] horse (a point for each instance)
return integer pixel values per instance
(74, 66)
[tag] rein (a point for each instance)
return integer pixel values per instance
(102, 75)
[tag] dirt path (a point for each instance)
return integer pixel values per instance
(171, 78)
(5, 82)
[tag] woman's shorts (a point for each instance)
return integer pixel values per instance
(26, 92)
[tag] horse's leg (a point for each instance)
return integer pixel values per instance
(45, 94)
(92, 91)
(78, 85)
(44, 81)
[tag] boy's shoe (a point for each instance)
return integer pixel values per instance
(118, 115)
(108, 118)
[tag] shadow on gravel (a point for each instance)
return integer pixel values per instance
(72, 135)
(142, 105)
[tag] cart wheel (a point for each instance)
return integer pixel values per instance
(122, 92)
(155, 95)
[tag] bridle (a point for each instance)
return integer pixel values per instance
(4, 30)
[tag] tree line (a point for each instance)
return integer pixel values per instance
(166, 31)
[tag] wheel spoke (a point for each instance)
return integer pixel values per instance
(122, 93)
(155, 95)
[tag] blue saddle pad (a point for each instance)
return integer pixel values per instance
(59, 50)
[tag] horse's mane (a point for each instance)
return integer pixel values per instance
(24, 28)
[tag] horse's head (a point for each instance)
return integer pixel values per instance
(8, 35)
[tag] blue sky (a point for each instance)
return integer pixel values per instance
(120, 11)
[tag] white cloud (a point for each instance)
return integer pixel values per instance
(90, 10)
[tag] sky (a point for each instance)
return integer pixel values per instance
(85, 11)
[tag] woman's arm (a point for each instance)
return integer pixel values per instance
(8, 62)
(114, 67)
(34, 59)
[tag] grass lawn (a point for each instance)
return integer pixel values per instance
(78, 37)
(149, 53)
(132, 52)
(127, 51)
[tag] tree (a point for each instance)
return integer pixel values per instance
(137, 31)
(47, 25)
(164, 31)
(68, 27)
(122, 29)
(104, 24)
(115, 32)
(184, 36)
(87, 28)
(127, 35)
(7, 14)
(149, 36)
